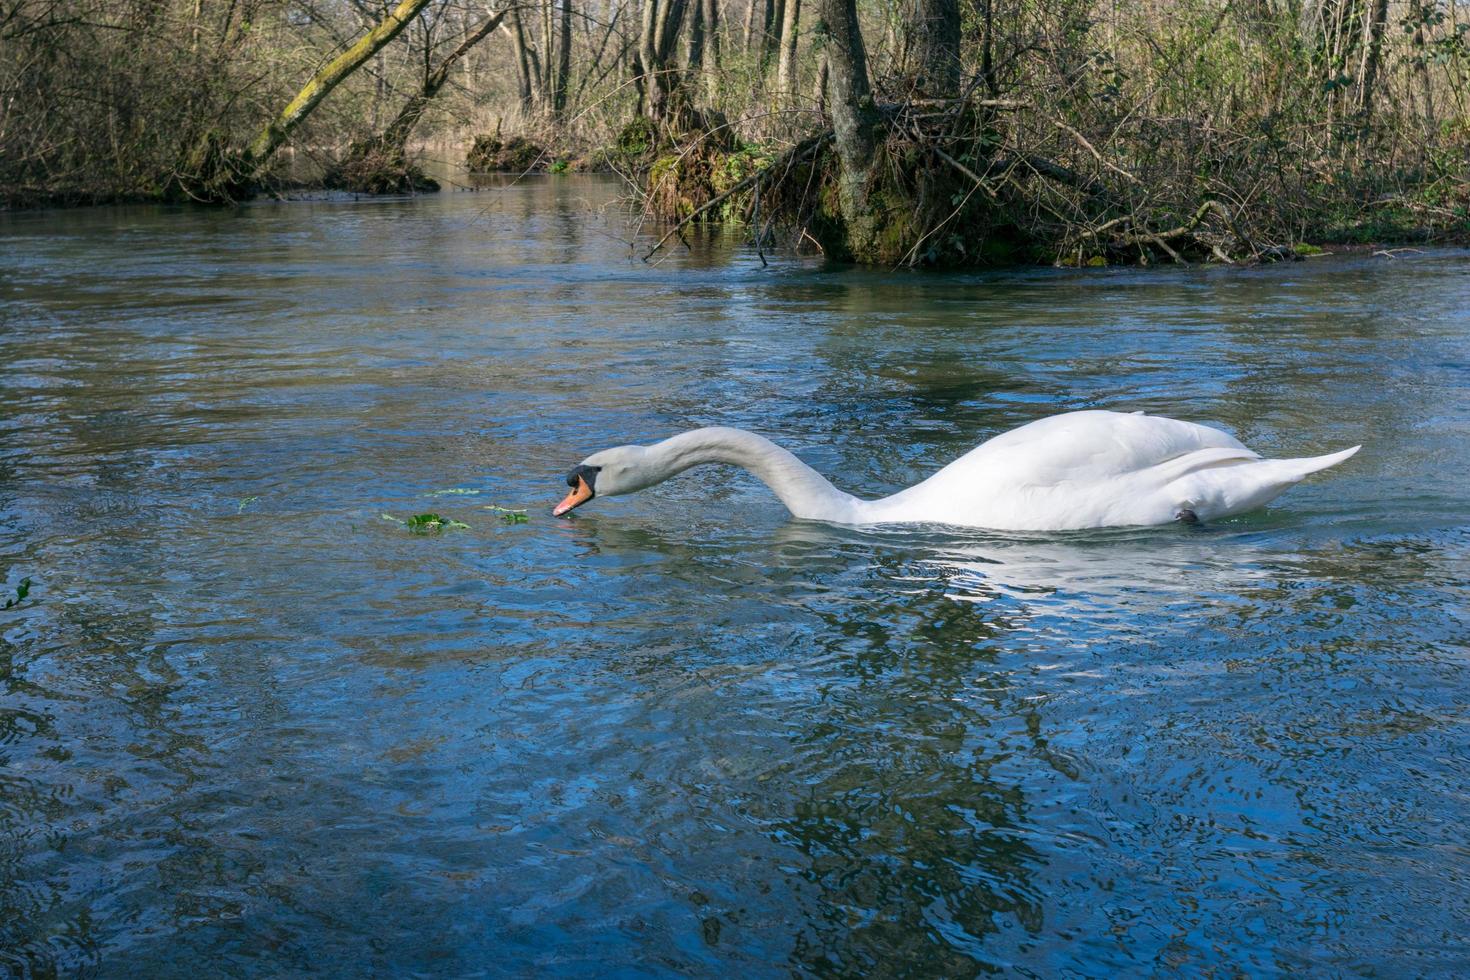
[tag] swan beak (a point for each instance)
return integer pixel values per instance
(579, 495)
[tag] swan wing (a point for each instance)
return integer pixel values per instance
(1081, 447)
(1098, 469)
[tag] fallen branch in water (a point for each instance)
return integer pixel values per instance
(1161, 239)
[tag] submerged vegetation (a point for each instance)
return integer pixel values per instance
(886, 131)
(426, 523)
(432, 522)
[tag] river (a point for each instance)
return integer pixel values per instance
(252, 723)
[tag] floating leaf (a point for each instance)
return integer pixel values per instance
(21, 591)
(453, 492)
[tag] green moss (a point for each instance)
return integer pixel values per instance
(640, 136)
(1303, 248)
(664, 167)
(679, 184)
(491, 154)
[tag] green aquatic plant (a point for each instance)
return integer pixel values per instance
(245, 502)
(426, 523)
(453, 492)
(509, 515)
(21, 591)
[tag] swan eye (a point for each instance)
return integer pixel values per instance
(583, 472)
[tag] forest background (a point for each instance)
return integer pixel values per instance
(886, 131)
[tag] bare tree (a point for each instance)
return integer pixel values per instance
(656, 75)
(398, 131)
(934, 48)
(279, 129)
(563, 60)
(786, 64)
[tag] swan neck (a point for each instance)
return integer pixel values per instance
(803, 491)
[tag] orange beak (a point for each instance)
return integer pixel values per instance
(579, 496)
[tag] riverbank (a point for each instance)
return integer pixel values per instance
(1383, 230)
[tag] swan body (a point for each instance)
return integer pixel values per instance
(1077, 470)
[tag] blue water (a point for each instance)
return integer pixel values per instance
(250, 725)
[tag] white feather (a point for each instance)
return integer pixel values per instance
(1078, 470)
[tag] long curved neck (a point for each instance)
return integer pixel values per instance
(802, 489)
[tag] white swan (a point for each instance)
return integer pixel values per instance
(1078, 470)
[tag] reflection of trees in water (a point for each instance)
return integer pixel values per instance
(1356, 648)
(124, 807)
(907, 829)
(114, 752)
(913, 815)
(896, 719)
(61, 777)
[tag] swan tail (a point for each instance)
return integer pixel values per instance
(1225, 488)
(1312, 464)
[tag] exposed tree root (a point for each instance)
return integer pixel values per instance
(977, 181)
(798, 152)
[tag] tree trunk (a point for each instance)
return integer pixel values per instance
(819, 91)
(694, 59)
(750, 23)
(1421, 69)
(563, 60)
(712, 27)
(670, 19)
(1372, 56)
(548, 47)
(854, 116)
(786, 65)
(528, 72)
(987, 48)
(657, 42)
(888, 201)
(934, 47)
(279, 129)
(647, 62)
(772, 17)
(711, 49)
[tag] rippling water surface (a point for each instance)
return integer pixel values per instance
(247, 722)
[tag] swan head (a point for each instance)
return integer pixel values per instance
(622, 469)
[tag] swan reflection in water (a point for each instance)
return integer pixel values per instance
(1091, 574)
(893, 692)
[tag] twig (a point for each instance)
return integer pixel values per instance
(1049, 168)
(1165, 246)
(1158, 237)
(759, 231)
(1083, 142)
(979, 181)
